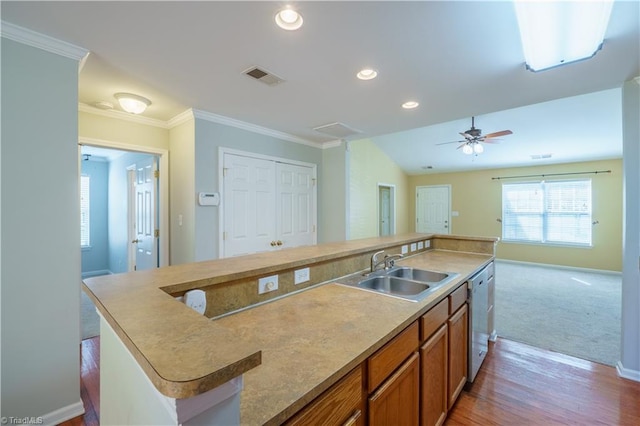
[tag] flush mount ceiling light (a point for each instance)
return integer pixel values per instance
(132, 103)
(367, 74)
(556, 33)
(410, 105)
(288, 19)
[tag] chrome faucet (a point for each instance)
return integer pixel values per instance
(388, 260)
(375, 262)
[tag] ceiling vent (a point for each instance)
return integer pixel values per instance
(337, 130)
(263, 76)
(540, 156)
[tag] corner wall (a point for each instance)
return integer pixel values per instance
(478, 200)
(40, 235)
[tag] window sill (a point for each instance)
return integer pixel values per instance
(85, 248)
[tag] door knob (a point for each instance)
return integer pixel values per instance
(273, 243)
(279, 242)
(136, 241)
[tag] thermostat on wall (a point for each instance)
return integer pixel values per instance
(209, 198)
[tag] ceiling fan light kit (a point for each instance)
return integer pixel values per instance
(555, 33)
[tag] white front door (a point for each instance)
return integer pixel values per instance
(249, 205)
(432, 209)
(146, 240)
(295, 210)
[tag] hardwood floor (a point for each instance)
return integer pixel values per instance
(517, 385)
(522, 385)
(89, 384)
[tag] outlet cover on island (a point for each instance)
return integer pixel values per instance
(405, 249)
(420, 245)
(427, 243)
(301, 276)
(267, 284)
(413, 246)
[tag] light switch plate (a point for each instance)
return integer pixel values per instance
(267, 284)
(301, 276)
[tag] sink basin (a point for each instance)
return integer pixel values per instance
(418, 274)
(403, 282)
(393, 285)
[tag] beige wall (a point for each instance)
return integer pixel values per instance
(368, 166)
(95, 126)
(478, 200)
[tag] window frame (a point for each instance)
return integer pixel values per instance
(546, 214)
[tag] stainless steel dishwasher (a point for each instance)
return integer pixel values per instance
(478, 287)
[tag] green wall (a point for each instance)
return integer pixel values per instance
(478, 200)
(369, 166)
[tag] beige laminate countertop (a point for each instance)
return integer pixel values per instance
(290, 350)
(311, 339)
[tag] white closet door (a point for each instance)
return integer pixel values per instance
(249, 205)
(146, 188)
(295, 203)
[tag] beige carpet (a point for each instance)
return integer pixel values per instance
(568, 311)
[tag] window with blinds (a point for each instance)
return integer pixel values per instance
(557, 212)
(85, 183)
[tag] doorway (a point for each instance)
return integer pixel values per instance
(433, 209)
(386, 209)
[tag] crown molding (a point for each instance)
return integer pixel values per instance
(215, 118)
(181, 118)
(41, 41)
(637, 79)
(139, 119)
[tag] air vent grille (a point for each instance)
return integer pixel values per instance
(540, 156)
(337, 130)
(263, 76)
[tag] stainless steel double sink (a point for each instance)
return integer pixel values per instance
(401, 281)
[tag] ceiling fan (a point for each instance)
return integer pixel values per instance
(471, 144)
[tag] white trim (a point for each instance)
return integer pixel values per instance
(163, 195)
(331, 144)
(41, 41)
(121, 115)
(63, 414)
(181, 118)
(565, 267)
(215, 118)
(627, 373)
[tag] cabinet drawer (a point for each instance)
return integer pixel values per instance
(340, 404)
(390, 356)
(457, 298)
(433, 319)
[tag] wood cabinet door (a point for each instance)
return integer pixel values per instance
(397, 401)
(458, 344)
(341, 404)
(433, 375)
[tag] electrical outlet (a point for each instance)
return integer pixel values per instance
(405, 249)
(301, 275)
(267, 284)
(420, 245)
(413, 246)
(427, 243)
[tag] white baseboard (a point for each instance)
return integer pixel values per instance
(63, 414)
(627, 373)
(569, 268)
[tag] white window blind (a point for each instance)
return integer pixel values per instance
(85, 183)
(557, 212)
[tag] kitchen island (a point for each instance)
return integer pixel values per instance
(290, 347)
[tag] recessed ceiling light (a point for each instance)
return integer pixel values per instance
(367, 74)
(288, 19)
(410, 105)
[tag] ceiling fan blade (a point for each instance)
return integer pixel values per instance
(498, 134)
(462, 144)
(496, 141)
(447, 143)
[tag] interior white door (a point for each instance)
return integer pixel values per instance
(384, 214)
(249, 205)
(146, 239)
(432, 209)
(295, 206)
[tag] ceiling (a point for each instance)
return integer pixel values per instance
(458, 59)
